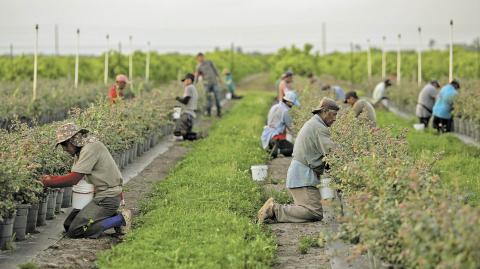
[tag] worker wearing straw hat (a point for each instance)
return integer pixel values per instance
(312, 144)
(117, 90)
(92, 162)
(279, 122)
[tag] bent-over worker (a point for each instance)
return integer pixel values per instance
(184, 125)
(425, 102)
(92, 162)
(379, 98)
(117, 90)
(312, 144)
(442, 110)
(337, 92)
(361, 107)
(279, 122)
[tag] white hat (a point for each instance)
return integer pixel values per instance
(291, 96)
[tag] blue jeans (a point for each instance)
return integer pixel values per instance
(215, 90)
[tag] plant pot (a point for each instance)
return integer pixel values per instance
(455, 125)
(20, 223)
(42, 210)
(139, 149)
(51, 203)
(6, 231)
(59, 200)
(67, 197)
(125, 158)
(32, 218)
(132, 153)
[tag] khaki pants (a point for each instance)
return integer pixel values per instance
(307, 206)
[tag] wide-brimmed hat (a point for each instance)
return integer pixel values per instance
(326, 103)
(67, 131)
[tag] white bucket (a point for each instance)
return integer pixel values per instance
(259, 172)
(228, 96)
(326, 192)
(419, 126)
(82, 194)
(176, 112)
(290, 138)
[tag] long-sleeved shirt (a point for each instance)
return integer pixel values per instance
(311, 145)
(444, 105)
(379, 92)
(426, 100)
(338, 93)
(208, 71)
(278, 122)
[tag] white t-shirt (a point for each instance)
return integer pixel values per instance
(191, 106)
(379, 92)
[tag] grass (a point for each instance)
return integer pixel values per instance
(202, 215)
(459, 164)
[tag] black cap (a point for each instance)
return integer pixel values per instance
(351, 94)
(455, 83)
(188, 76)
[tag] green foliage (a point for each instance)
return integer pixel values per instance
(201, 215)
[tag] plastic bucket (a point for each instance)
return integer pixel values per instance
(177, 112)
(82, 194)
(67, 197)
(419, 127)
(228, 96)
(59, 201)
(51, 203)
(6, 231)
(326, 192)
(259, 172)
(42, 210)
(32, 218)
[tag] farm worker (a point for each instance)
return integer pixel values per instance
(274, 135)
(312, 144)
(361, 107)
(210, 77)
(426, 100)
(313, 81)
(379, 97)
(116, 91)
(230, 84)
(338, 93)
(285, 85)
(189, 100)
(442, 110)
(92, 162)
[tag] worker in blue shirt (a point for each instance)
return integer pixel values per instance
(442, 110)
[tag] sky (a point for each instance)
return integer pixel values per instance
(190, 26)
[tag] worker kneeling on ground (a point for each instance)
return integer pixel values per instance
(274, 135)
(312, 144)
(92, 162)
(361, 107)
(189, 100)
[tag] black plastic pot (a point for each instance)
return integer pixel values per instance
(58, 205)
(32, 218)
(6, 231)
(42, 210)
(20, 223)
(67, 197)
(51, 203)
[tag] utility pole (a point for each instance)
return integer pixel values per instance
(35, 64)
(399, 60)
(450, 67)
(77, 58)
(324, 38)
(351, 63)
(57, 48)
(107, 52)
(419, 57)
(147, 65)
(369, 60)
(232, 57)
(130, 63)
(384, 59)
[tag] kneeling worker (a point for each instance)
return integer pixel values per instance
(361, 107)
(189, 100)
(312, 144)
(92, 162)
(274, 135)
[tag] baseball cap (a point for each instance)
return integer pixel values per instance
(188, 76)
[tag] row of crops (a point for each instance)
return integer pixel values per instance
(56, 93)
(396, 207)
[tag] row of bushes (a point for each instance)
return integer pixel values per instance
(396, 207)
(27, 153)
(201, 215)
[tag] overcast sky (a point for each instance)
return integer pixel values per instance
(255, 25)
